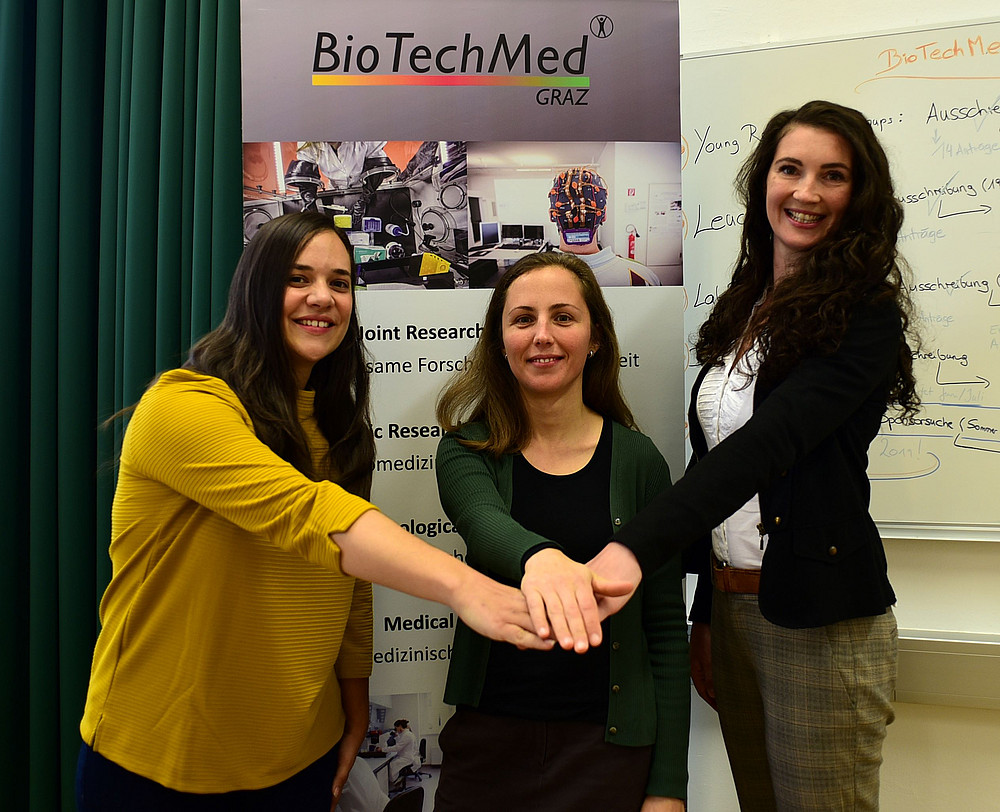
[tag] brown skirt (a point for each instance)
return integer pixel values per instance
(504, 764)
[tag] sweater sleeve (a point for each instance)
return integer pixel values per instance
(473, 497)
(811, 403)
(191, 433)
(666, 637)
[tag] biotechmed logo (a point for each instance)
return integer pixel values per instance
(340, 61)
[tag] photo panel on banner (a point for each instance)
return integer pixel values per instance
(452, 214)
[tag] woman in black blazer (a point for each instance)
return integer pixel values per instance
(794, 641)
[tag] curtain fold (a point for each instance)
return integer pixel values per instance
(122, 129)
(16, 132)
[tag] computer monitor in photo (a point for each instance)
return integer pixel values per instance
(534, 234)
(489, 233)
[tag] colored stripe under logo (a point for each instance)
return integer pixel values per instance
(370, 80)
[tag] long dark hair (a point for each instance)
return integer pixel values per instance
(809, 310)
(247, 350)
(486, 390)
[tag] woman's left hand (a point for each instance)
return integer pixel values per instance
(562, 597)
(657, 803)
(345, 760)
(346, 756)
(354, 698)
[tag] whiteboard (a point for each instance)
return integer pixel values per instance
(933, 96)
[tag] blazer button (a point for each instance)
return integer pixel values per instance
(615, 646)
(832, 550)
(777, 520)
(616, 689)
(612, 730)
(617, 522)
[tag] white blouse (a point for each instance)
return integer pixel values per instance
(725, 403)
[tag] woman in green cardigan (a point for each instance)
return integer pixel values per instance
(542, 461)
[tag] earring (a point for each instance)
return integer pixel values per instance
(591, 353)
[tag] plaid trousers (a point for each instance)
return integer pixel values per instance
(803, 711)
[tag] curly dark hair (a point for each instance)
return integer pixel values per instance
(247, 350)
(809, 310)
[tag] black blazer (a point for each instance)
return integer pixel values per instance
(805, 452)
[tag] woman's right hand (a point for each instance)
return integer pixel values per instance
(615, 564)
(377, 549)
(562, 597)
(700, 653)
(496, 611)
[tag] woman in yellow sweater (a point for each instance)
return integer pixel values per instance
(232, 667)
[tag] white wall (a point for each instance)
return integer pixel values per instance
(937, 759)
(526, 201)
(641, 167)
(719, 25)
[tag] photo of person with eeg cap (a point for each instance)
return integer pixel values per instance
(577, 205)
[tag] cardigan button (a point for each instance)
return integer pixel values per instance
(832, 550)
(615, 646)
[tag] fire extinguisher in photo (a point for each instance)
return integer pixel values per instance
(632, 235)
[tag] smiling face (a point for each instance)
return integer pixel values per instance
(547, 332)
(318, 303)
(808, 191)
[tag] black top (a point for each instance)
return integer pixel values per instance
(574, 511)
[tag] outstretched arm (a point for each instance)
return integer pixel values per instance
(234, 474)
(803, 410)
(377, 549)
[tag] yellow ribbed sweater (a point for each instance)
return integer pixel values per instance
(227, 620)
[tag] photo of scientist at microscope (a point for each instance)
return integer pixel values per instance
(402, 203)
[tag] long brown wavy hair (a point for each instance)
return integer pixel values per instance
(809, 310)
(247, 350)
(487, 391)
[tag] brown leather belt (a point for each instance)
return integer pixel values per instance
(732, 579)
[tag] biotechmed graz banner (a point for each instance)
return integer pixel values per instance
(433, 133)
(470, 70)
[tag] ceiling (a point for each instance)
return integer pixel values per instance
(515, 158)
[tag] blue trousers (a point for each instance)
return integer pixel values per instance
(103, 786)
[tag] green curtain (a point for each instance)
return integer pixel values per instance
(120, 127)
